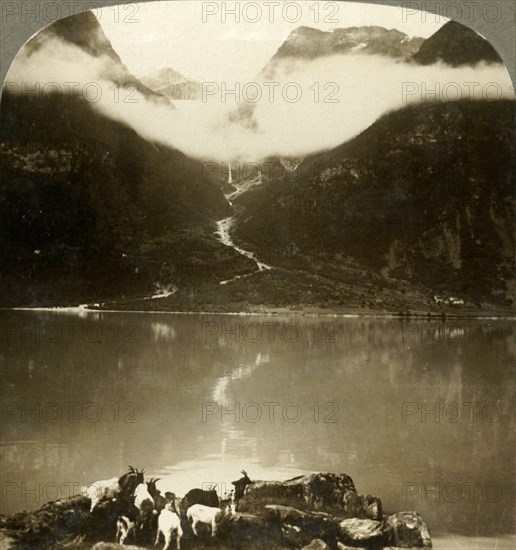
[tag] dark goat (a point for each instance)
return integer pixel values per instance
(198, 496)
(159, 500)
(241, 484)
(173, 501)
(129, 481)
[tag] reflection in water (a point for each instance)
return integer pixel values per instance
(420, 414)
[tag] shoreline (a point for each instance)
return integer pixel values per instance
(278, 312)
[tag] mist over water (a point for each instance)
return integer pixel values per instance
(307, 106)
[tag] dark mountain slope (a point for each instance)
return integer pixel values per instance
(86, 200)
(426, 194)
(456, 45)
(89, 210)
(84, 31)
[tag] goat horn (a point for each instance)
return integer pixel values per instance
(157, 479)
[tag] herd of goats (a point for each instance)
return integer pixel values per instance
(139, 508)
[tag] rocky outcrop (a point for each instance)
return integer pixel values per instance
(56, 522)
(314, 492)
(362, 506)
(248, 528)
(299, 528)
(362, 532)
(307, 512)
(407, 530)
(331, 493)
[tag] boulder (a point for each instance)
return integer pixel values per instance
(342, 546)
(361, 532)
(299, 528)
(362, 506)
(310, 492)
(316, 544)
(407, 530)
(248, 527)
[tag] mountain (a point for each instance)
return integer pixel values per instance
(309, 43)
(456, 45)
(84, 31)
(91, 211)
(173, 85)
(425, 195)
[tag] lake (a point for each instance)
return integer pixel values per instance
(418, 413)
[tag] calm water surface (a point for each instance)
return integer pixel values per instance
(420, 414)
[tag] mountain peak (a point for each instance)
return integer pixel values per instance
(309, 43)
(173, 84)
(85, 32)
(455, 44)
(82, 30)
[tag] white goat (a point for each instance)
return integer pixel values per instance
(124, 526)
(169, 524)
(104, 488)
(198, 513)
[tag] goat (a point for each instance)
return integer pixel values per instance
(198, 496)
(229, 503)
(145, 503)
(129, 481)
(124, 527)
(175, 502)
(241, 484)
(207, 515)
(159, 500)
(113, 488)
(108, 488)
(169, 524)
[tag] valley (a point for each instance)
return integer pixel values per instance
(413, 215)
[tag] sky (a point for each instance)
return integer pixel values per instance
(203, 40)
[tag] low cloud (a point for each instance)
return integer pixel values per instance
(307, 106)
